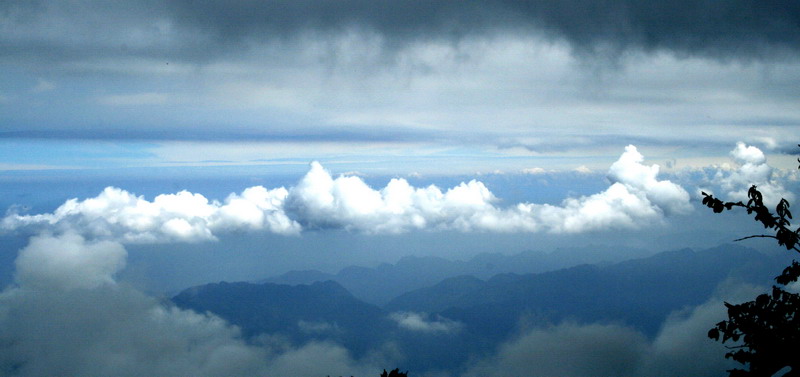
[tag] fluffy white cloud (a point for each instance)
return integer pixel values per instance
(635, 197)
(320, 201)
(255, 208)
(642, 180)
(420, 322)
(184, 216)
(751, 169)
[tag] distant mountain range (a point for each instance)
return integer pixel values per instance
(322, 310)
(639, 293)
(380, 284)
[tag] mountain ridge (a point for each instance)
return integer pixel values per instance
(380, 284)
(481, 314)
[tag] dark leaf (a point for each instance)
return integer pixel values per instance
(713, 333)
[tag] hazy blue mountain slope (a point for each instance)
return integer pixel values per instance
(639, 292)
(451, 292)
(472, 316)
(301, 277)
(326, 311)
(323, 310)
(380, 284)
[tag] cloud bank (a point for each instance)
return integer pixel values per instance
(184, 216)
(68, 262)
(68, 316)
(77, 320)
(320, 201)
(681, 348)
(193, 31)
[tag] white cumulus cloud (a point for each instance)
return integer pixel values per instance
(184, 216)
(751, 169)
(636, 196)
(320, 200)
(348, 202)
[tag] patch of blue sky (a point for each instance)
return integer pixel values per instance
(25, 154)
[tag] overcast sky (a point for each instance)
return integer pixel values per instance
(474, 85)
(234, 140)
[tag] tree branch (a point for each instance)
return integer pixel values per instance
(764, 236)
(755, 236)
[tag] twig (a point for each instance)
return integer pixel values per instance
(755, 236)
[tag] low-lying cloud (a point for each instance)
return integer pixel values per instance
(319, 201)
(568, 350)
(420, 322)
(681, 347)
(68, 262)
(68, 316)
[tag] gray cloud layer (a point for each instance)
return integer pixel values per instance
(199, 30)
(541, 75)
(68, 316)
(730, 28)
(681, 348)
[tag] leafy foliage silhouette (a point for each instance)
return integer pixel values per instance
(766, 331)
(394, 373)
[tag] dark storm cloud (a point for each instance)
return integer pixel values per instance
(713, 28)
(204, 29)
(479, 72)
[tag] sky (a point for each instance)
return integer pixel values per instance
(150, 122)
(146, 146)
(393, 86)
